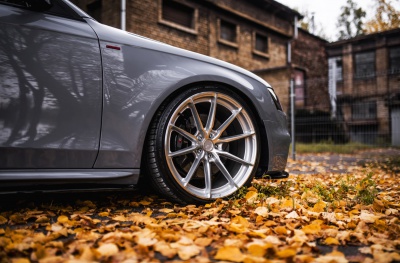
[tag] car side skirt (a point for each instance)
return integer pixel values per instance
(68, 176)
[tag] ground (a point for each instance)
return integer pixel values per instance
(332, 208)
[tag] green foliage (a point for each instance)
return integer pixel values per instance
(282, 189)
(330, 147)
(240, 193)
(350, 21)
(366, 190)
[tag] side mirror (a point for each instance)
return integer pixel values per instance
(40, 5)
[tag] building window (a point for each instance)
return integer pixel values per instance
(394, 60)
(299, 89)
(260, 44)
(227, 32)
(363, 110)
(365, 65)
(339, 70)
(178, 15)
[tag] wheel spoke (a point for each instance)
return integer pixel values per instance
(184, 133)
(211, 114)
(225, 125)
(223, 170)
(207, 177)
(234, 137)
(196, 118)
(192, 170)
(209, 134)
(233, 157)
(182, 151)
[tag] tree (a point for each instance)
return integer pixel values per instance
(386, 17)
(350, 22)
(308, 23)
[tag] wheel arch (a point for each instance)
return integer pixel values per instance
(238, 88)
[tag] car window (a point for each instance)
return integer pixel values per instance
(58, 8)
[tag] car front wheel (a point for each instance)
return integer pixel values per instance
(202, 145)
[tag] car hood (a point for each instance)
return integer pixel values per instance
(113, 35)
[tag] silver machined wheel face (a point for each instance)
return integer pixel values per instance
(210, 145)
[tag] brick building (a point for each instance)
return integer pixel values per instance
(364, 81)
(253, 34)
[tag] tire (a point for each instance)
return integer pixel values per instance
(202, 145)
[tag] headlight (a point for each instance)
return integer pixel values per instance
(275, 99)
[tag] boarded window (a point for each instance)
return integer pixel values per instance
(261, 43)
(178, 13)
(227, 31)
(394, 60)
(365, 65)
(363, 110)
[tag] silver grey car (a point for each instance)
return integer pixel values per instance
(86, 105)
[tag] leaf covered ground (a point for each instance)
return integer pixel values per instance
(316, 215)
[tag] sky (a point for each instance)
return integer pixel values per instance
(327, 11)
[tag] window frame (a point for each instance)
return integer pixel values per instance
(357, 65)
(390, 60)
(254, 44)
(174, 25)
(225, 41)
(363, 108)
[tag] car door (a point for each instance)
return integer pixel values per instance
(50, 88)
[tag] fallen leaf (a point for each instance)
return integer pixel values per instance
(108, 250)
(261, 211)
(331, 241)
(229, 253)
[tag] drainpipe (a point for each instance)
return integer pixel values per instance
(123, 15)
(292, 94)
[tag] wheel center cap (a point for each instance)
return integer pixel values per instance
(208, 145)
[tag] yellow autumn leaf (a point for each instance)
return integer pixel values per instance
(368, 217)
(166, 210)
(87, 254)
(20, 260)
(312, 229)
(17, 218)
(186, 252)
(42, 219)
(292, 215)
(120, 218)
(62, 219)
(251, 196)
(203, 241)
(288, 204)
(331, 241)
(256, 250)
(3, 220)
(108, 250)
(229, 253)
(165, 249)
(103, 214)
(261, 211)
(319, 207)
(238, 224)
(145, 202)
(280, 230)
(286, 253)
(335, 256)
